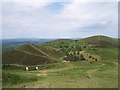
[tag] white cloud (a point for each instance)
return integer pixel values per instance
(96, 0)
(28, 5)
(90, 12)
(33, 4)
(33, 19)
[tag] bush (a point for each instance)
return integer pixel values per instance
(82, 59)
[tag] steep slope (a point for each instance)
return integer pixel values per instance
(31, 49)
(52, 52)
(30, 55)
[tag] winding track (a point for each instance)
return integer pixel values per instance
(38, 49)
(44, 54)
(29, 53)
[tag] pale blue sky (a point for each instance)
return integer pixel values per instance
(59, 19)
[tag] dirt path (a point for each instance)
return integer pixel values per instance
(89, 75)
(38, 50)
(29, 53)
(71, 66)
(46, 72)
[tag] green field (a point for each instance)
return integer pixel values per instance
(85, 63)
(65, 75)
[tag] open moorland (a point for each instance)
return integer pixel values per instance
(64, 63)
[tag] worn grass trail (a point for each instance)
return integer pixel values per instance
(38, 50)
(73, 75)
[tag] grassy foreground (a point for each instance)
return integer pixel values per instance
(102, 74)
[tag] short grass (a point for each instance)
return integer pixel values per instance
(110, 54)
(102, 74)
(53, 73)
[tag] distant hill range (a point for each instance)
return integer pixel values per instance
(51, 51)
(16, 42)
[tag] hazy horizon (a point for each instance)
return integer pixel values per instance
(56, 38)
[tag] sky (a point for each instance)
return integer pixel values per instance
(53, 19)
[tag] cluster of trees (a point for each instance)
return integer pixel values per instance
(75, 58)
(67, 48)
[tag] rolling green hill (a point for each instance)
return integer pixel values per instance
(96, 41)
(100, 41)
(86, 63)
(103, 46)
(29, 54)
(54, 51)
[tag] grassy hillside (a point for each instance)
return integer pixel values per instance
(66, 49)
(30, 48)
(105, 53)
(104, 47)
(51, 51)
(66, 75)
(30, 55)
(86, 63)
(100, 41)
